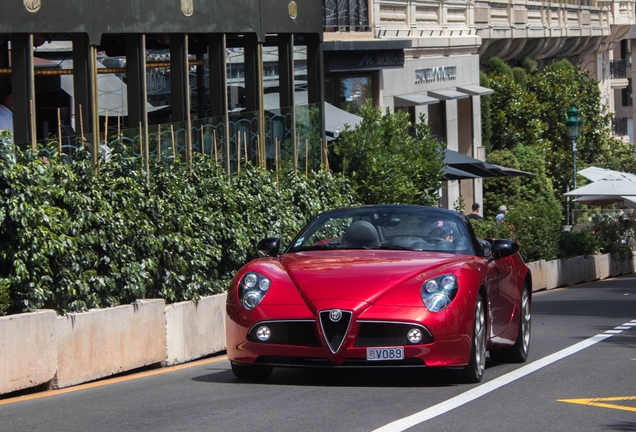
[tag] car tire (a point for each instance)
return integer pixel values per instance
(474, 371)
(251, 372)
(518, 353)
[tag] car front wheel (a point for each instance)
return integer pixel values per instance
(474, 371)
(251, 372)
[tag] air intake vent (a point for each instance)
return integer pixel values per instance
(335, 325)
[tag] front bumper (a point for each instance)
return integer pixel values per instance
(302, 342)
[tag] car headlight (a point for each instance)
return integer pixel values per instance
(438, 292)
(252, 289)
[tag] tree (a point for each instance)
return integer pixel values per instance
(385, 163)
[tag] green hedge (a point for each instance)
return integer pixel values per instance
(71, 240)
(535, 226)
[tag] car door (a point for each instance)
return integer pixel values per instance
(501, 294)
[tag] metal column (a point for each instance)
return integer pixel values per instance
(136, 80)
(82, 83)
(23, 82)
(315, 80)
(286, 70)
(218, 75)
(180, 85)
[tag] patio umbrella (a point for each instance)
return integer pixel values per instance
(451, 173)
(595, 173)
(479, 168)
(599, 200)
(470, 165)
(612, 185)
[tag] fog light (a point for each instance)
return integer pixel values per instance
(414, 336)
(263, 333)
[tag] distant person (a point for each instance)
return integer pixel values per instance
(475, 213)
(6, 110)
(501, 214)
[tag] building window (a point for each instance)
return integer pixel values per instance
(626, 93)
(349, 92)
(626, 51)
(437, 120)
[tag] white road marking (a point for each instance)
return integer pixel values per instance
(477, 392)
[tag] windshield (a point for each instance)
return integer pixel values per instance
(387, 227)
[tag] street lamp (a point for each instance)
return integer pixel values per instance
(573, 125)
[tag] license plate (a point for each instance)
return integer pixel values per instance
(378, 354)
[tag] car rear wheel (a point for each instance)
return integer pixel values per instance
(474, 371)
(251, 372)
(517, 353)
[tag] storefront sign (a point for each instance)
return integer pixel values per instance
(435, 74)
(336, 61)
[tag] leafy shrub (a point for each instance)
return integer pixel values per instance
(584, 242)
(389, 160)
(501, 190)
(615, 233)
(497, 66)
(520, 77)
(491, 229)
(72, 240)
(4, 297)
(534, 226)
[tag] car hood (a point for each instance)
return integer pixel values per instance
(358, 275)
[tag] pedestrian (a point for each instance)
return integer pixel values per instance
(501, 214)
(475, 213)
(6, 109)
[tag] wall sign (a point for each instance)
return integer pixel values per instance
(337, 61)
(435, 74)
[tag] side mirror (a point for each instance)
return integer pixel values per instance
(269, 246)
(486, 248)
(504, 248)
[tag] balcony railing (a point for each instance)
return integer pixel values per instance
(346, 15)
(619, 126)
(618, 69)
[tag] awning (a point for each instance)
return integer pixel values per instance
(447, 94)
(478, 168)
(510, 172)
(337, 119)
(451, 173)
(475, 90)
(413, 99)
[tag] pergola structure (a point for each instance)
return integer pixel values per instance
(192, 30)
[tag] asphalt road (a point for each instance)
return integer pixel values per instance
(580, 376)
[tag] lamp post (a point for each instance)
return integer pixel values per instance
(573, 125)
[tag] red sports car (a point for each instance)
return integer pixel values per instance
(381, 286)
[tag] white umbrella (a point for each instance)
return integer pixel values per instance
(595, 173)
(611, 185)
(604, 200)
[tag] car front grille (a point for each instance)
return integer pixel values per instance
(388, 334)
(300, 332)
(335, 330)
(305, 362)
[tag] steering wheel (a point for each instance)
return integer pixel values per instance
(435, 240)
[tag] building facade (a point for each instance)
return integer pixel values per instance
(451, 40)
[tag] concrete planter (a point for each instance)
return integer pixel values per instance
(194, 330)
(538, 272)
(575, 270)
(616, 266)
(105, 342)
(28, 353)
(597, 267)
(555, 273)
